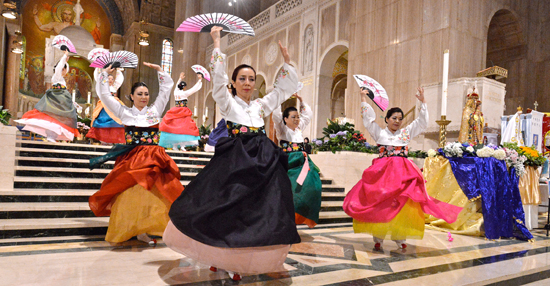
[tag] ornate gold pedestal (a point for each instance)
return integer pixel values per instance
(443, 130)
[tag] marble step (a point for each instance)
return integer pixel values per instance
(333, 217)
(55, 153)
(77, 173)
(329, 206)
(45, 195)
(85, 164)
(60, 183)
(326, 181)
(48, 227)
(97, 148)
(27, 210)
(333, 188)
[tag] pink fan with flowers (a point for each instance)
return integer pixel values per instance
(200, 69)
(96, 53)
(204, 22)
(63, 43)
(118, 59)
(377, 92)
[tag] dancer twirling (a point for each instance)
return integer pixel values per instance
(54, 116)
(138, 192)
(303, 174)
(177, 128)
(390, 200)
(238, 214)
(106, 127)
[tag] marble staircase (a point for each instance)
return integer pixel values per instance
(52, 185)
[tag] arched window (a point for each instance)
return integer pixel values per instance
(167, 53)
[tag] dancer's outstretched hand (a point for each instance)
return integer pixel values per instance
(153, 66)
(215, 33)
(109, 69)
(284, 52)
(182, 76)
(420, 94)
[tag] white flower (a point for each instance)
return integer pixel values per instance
(470, 149)
(432, 153)
(499, 154)
(485, 152)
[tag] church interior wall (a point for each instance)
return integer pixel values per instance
(3, 53)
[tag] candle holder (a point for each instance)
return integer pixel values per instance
(84, 108)
(443, 130)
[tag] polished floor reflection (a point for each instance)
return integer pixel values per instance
(328, 255)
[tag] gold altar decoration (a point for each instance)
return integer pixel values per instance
(495, 72)
(472, 122)
(443, 122)
(529, 186)
(442, 185)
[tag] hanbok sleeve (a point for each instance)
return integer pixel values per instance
(305, 115)
(192, 90)
(57, 75)
(285, 86)
(119, 79)
(369, 117)
(278, 124)
(109, 101)
(220, 94)
(420, 123)
(165, 87)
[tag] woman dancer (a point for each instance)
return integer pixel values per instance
(54, 116)
(106, 127)
(177, 128)
(303, 174)
(390, 200)
(237, 214)
(144, 182)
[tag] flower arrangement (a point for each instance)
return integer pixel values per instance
(344, 137)
(83, 128)
(515, 156)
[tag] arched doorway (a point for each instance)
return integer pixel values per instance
(506, 47)
(332, 85)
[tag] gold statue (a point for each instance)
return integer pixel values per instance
(465, 134)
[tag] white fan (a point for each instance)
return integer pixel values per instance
(200, 69)
(118, 59)
(63, 43)
(96, 53)
(205, 22)
(378, 93)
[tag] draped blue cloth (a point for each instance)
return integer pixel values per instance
(490, 180)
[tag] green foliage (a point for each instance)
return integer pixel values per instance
(204, 130)
(5, 116)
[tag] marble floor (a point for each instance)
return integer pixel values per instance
(328, 255)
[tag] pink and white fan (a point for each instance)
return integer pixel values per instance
(378, 93)
(63, 43)
(200, 69)
(204, 22)
(119, 59)
(96, 53)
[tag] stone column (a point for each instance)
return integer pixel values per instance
(11, 87)
(7, 148)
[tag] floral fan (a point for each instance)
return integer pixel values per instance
(200, 69)
(205, 22)
(63, 43)
(119, 59)
(96, 53)
(378, 93)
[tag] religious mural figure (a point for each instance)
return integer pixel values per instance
(466, 132)
(308, 49)
(63, 14)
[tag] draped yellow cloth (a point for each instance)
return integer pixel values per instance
(98, 109)
(442, 185)
(529, 186)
